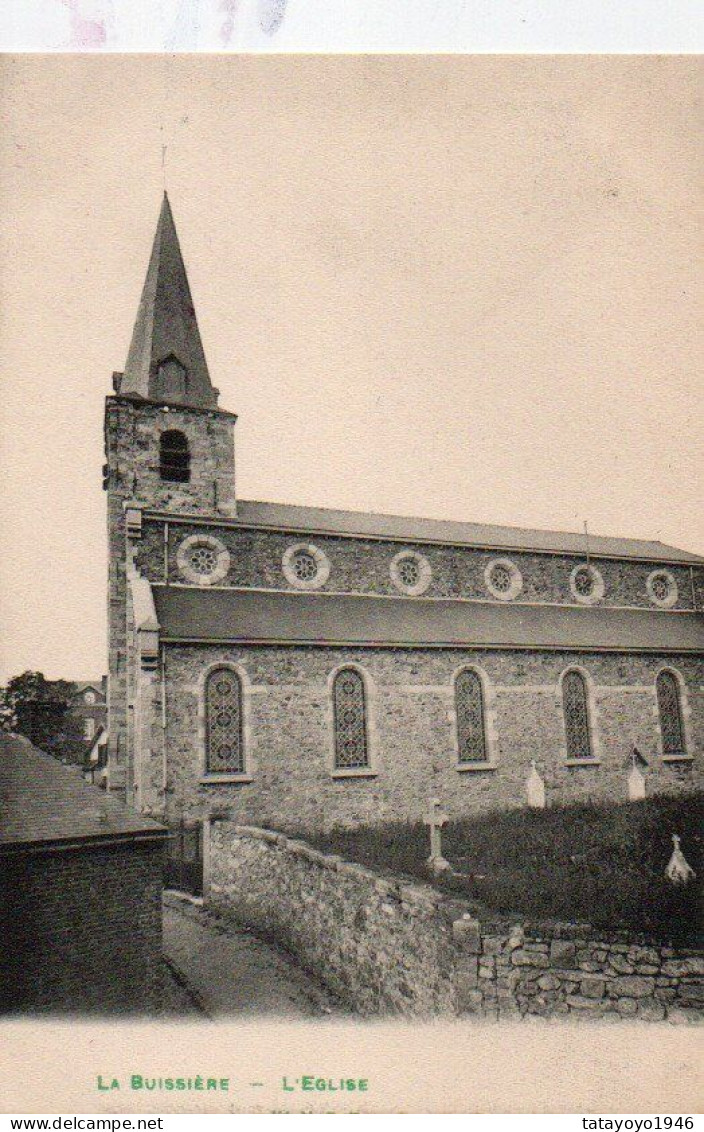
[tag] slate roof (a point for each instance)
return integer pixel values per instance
(166, 323)
(323, 520)
(253, 616)
(44, 803)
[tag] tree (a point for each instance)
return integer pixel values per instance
(41, 710)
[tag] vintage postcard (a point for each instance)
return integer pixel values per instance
(352, 583)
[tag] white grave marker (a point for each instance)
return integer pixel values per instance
(535, 788)
(636, 784)
(679, 871)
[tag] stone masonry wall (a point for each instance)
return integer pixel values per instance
(288, 733)
(363, 566)
(132, 432)
(82, 930)
(391, 947)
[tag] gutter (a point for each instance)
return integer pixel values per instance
(263, 642)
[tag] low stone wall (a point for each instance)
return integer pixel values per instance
(388, 946)
(560, 969)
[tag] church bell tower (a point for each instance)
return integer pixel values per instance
(169, 449)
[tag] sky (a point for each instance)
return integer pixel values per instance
(460, 287)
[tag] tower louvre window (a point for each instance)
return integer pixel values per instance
(670, 712)
(174, 457)
(172, 379)
(576, 711)
(469, 705)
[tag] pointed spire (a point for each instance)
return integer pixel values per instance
(166, 361)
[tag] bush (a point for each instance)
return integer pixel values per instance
(602, 864)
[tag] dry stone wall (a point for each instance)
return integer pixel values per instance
(387, 946)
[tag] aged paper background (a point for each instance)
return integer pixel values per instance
(460, 1067)
(528, 263)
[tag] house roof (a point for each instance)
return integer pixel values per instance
(323, 520)
(255, 616)
(83, 685)
(44, 803)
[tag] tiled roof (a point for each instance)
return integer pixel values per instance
(42, 801)
(321, 520)
(316, 618)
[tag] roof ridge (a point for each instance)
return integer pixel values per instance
(459, 523)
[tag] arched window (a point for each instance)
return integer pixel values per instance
(350, 720)
(174, 457)
(469, 707)
(224, 741)
(670, 711)
(576, 709)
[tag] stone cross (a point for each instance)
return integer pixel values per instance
(435, 819)
(535, 788)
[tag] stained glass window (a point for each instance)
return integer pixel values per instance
(501, 578)
(350, 713)
(661, 587)
(304, 566)
(584, 582)
(174, 457)
(469, 705)
(670, 714)
(409, 572)
(223, 711)
(576, 709)
(203, 559)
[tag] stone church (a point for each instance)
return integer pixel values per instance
(309, 667)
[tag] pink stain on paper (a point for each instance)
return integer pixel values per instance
(229, 7)
(89, 19)
(86, 31)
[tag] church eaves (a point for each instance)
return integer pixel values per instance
(166, 361)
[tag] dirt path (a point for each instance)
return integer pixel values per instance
(227, 971)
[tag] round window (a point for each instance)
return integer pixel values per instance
(503, 579)
(305, 566)
(203, 559)
(662, 588)
(586, 584)
(410, 572)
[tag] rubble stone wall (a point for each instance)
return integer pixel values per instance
(289, 732)
(388, 946)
